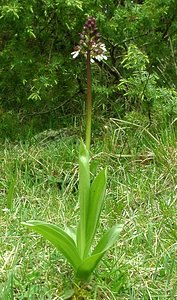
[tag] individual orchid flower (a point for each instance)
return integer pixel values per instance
(76, 51)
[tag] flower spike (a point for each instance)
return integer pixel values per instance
(90, 41)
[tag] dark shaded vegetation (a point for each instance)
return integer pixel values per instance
(42, 87)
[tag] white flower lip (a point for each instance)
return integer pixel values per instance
(99, 57)
(75, 53)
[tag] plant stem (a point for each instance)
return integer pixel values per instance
(89, 102)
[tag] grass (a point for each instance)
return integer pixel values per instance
(39, 180)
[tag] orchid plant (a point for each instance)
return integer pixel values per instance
(77, 245)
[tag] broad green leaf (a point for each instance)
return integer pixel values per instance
(71, 231)
(90, 263)
(59, 238)
(108, 239)
(97, 193)
(84, 189)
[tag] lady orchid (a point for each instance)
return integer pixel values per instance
(77, 244)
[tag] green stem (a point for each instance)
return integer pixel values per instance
(89, 102)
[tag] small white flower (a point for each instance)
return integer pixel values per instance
(101, 57)
(103, 47)
(75, 53)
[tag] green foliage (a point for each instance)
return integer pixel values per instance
(140, 87)
(135, 59)
(38, 74)
(78, 248)
(166, 105)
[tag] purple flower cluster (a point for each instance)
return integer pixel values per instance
(90, 41)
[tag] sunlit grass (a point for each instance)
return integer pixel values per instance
(141, 194)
